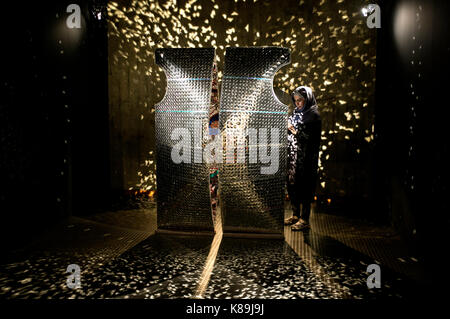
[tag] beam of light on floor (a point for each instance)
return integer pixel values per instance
(294, 239)
(211, 259)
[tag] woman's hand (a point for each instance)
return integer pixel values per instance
(292, 129)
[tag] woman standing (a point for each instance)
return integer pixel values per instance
(304, 131)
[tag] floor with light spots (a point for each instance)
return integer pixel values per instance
(118, 260)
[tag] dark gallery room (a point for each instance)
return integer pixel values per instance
(205, 150)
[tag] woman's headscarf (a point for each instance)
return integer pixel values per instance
(309, 112)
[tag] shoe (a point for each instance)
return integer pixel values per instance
(291, 220)
(300, 225)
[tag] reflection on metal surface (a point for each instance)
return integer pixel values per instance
(251, 201)
(183, 189)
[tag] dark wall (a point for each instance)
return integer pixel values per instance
(412, 153)
(91, 153)
(53, 117)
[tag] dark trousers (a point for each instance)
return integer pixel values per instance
(300, 207)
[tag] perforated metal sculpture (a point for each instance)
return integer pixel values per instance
(183, 188)
(252, 193)
(253, 132)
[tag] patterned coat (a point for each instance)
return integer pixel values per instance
(303, 147)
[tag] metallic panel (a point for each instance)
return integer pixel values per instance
(183, 197)
(251, 201)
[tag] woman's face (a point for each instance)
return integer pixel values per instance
(299, 101)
